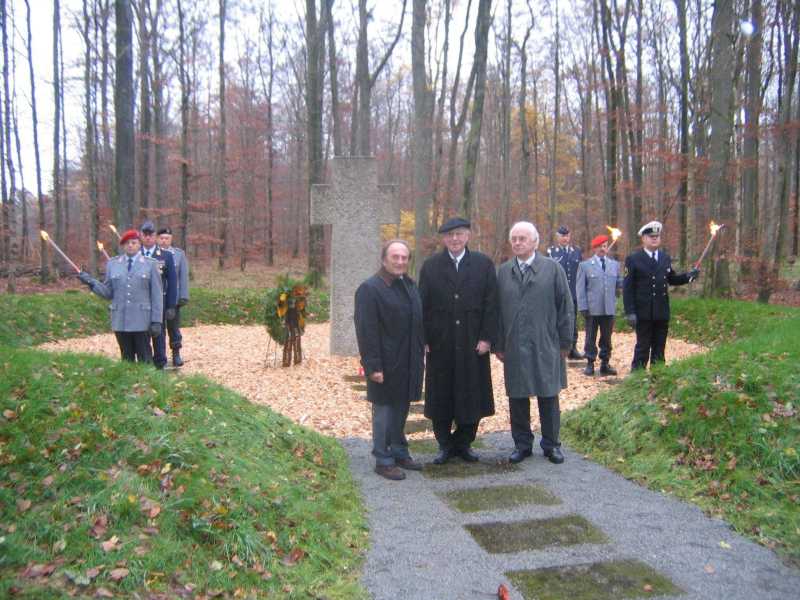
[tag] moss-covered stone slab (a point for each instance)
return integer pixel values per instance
(499, 497)
(593, 581)
(416, 408)
(431, 446)
(456, 468)
(535, 534)
(417, 425)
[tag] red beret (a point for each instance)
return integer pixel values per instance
(131, 234)
(599, 240)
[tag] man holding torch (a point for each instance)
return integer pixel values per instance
(133, 284)
(645, 294)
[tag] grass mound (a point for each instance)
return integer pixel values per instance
(720, 429)
(33, 319)
(115, 480)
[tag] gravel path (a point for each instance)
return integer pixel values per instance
(420, 549)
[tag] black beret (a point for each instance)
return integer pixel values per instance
(454, 223)
(563, 230)
(147, 227)
(165, 230)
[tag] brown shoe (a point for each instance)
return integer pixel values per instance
(409, 464)
(390, 472)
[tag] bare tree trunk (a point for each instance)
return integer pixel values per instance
(9, 193)
(333, 71)
(159, 121)
(223, 132)
(315, 36)
(422, 136)
(750, 145)
(185, 158)
(612, 109)
(123, 110)
(267, 84)
(476, 120)
(145, 104)
(436, 190)
(90, 151)
(57, 200)
(106, 173)
(522, 111)
(34, 117)
(720, 192)
(552, 215)
(504, 214)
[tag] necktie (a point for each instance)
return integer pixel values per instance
(654, 256)
(455, 264)
(130, 264)
(603, 262)
(523, 268)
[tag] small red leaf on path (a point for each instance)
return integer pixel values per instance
(709, 569)
(502, 592)
(117, 574)
(99, 527)
(93, 572)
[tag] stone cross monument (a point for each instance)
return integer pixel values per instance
(356, 206)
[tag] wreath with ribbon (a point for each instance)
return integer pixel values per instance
(284, 303)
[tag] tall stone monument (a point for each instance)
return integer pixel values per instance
(356, 206)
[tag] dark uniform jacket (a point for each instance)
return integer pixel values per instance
(569, 257)
(459, 309)
(388, 320)
(645, 290)
(169, 277)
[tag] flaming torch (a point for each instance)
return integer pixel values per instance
(615, 233)
(114, 229)
(713, 229)
(47, 239)
(103, 250)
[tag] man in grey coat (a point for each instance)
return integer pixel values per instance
(535, 336)
(182, 275)
(133, 284)
(599, 278)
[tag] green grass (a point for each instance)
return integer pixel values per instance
(203, 491)
(37, 318)
(719, 429)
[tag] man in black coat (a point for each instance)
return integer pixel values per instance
(169, 285)
(459, 305)
(645, 294)
(569, 257)
(388, 320)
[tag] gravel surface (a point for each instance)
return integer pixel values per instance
(420, 549)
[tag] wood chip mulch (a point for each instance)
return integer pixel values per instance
(315, 393)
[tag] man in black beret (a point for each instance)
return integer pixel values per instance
(569, 257)
(459, 315)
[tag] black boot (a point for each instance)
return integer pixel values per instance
(605, 369)
(589, 370)
(575, 355)
(177, 361)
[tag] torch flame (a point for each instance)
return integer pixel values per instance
(44, 235)
(714, 228)
(112, 228)
(615, 233)
(100, 246)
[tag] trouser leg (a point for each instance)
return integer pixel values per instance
(174, 331)
(160, 348)
(590, 344)
(659, 343)
(464, 435)
(574, 322)
(141, 340)
(127, 348)
(641, 352)
(550, 420)
(381, 423)
(442, 433)
(520, 412)
(398, 444)
(606, 329)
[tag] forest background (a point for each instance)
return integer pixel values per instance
(216, 118)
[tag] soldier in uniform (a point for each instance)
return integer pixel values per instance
(645, 294)
(133, 284)
(459, 312)
(599, 278)
(569, 257)
(182, 275)
(169, 286)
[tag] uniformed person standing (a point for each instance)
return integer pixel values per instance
(598, 280)
(569, 257)
(459, 306)
(182, 275)
(133, 284)
(645, 294)
(169, 285)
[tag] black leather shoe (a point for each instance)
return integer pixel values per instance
(518, 456)
(554, 455)
(575, 355)
(468, 455)
(605, 369)
(442, 457)
(589, 370)
(177, 361)
(409, 464)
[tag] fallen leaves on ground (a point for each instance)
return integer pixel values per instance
(315, 393)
